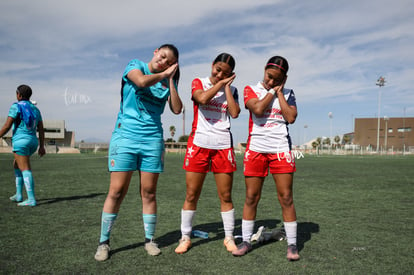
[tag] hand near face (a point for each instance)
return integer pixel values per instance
(170, 71)
(279, 86)
(229, 80)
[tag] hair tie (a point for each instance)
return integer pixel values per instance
(273, 64)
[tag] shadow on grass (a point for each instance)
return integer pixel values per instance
(128, 247)
(304, 232)
(71, 198)
(216, 232)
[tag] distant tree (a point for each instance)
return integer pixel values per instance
(315, 144)
(327, 141)
(319, 140)
(172, 130)
(169, 140)
(346, 139)
(183, 138)
(337, 139)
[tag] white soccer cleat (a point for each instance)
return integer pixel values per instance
(255, 237)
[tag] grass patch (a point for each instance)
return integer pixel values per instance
(355, 216)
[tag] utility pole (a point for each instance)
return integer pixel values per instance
(380, 83)
(183, 120)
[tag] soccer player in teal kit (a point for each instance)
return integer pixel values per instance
(137, 140)
(25, 119)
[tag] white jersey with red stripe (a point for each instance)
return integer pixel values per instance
(268, 133)
(211, 124)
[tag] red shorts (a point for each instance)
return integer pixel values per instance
(257, 164)
(202, 160)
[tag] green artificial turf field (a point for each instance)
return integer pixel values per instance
(355, 216)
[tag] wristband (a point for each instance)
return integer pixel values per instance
(271, 91)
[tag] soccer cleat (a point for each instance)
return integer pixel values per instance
(27, 203)
(102, 253)
(242, 249)
(274, 235)
(263, 236)
(292, 253)
(229, 244)
(278, 235)
(184, 246)
(258, 235)
(15, 198)
(152, 248)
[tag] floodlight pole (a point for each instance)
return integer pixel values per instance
(386, 132)
(330, 115)
(183, 110)
(304, 134)
(380, 83)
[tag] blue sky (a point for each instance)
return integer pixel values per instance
(73, 54)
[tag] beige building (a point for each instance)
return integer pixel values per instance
(394, 133)
(55, 135)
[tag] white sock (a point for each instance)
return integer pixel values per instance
(228, 222)
(187, 217)
(247, 230)
(291, 232)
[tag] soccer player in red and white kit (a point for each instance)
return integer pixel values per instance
(210, 147)
(272, 107)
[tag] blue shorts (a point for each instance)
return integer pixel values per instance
(25, 146)
(130, 155)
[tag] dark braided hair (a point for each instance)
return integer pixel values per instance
(174, 49)
(278, 62)
(226, 58)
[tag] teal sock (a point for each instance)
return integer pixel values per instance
(150, 220)
(19, 184)
(29, 184)
(107, 221)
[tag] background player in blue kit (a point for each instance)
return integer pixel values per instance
(137, 141)
(25, 119)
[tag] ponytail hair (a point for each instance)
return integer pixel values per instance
(225, 58)
(174, 50)
(278, 62)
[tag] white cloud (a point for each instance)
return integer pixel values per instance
(336, 50)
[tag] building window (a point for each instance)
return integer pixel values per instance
(389, 130)
(52, 130)
(406, 129)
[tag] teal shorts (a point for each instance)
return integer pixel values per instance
(25, 146)
(129, 155)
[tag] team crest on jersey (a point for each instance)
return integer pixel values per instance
(190, 151)
(112, 162)
(246, 155)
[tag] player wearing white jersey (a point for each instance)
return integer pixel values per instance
(268, 133)
(211, 124)
(272, 108)
(210, 147)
